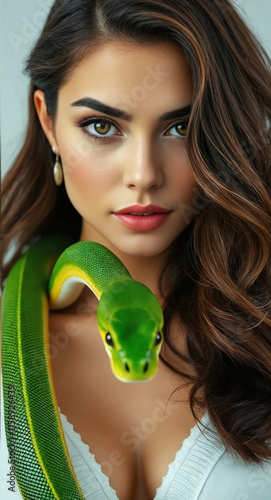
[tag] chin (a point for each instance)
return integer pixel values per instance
(143, 248)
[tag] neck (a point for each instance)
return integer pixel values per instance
(145, 269)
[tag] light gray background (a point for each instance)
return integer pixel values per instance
(21, 23)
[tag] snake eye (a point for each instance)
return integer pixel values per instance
(158, 339)
(109, 340)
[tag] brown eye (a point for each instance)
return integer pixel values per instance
(158, 339)
(182, 129)
(98, 128)
(102, 127)
(109, 340)
(178, 130)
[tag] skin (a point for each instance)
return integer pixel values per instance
(144, 161)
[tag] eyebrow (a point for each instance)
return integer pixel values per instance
(89, 102)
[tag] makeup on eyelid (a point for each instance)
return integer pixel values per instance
(98, 121)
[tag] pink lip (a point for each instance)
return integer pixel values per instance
(134, 217)
(140, 209)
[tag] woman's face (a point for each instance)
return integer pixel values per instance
(120, 130)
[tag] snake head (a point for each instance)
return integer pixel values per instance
(130, 321)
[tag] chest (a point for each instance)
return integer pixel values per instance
(134, 430)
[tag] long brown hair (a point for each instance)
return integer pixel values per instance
(219, 270)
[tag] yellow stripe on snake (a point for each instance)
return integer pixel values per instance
(51, 275)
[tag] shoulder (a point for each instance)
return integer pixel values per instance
(233, 478)
(223, 474)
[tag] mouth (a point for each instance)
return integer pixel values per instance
(142, 210)
(142, 218)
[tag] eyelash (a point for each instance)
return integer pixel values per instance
(85, 122)
(94, 119)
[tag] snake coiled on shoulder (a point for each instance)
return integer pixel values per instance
(51, 275)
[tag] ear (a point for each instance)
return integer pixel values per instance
(46, 120)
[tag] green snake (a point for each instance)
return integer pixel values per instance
(51, 275)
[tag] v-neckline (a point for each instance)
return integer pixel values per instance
(195, 459)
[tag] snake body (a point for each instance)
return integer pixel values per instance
(51, 275)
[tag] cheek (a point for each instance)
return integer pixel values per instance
(190, 186)
(83, 171)
(80, 160)
(183, 182)
(83, 183)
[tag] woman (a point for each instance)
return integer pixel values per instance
(157, 115)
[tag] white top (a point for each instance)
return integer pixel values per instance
(201, 470)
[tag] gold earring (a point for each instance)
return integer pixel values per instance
(58, 174)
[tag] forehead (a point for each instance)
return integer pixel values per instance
(119, 72)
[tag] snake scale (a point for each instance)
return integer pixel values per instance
(51, 275)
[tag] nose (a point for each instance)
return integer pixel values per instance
(143, 167)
